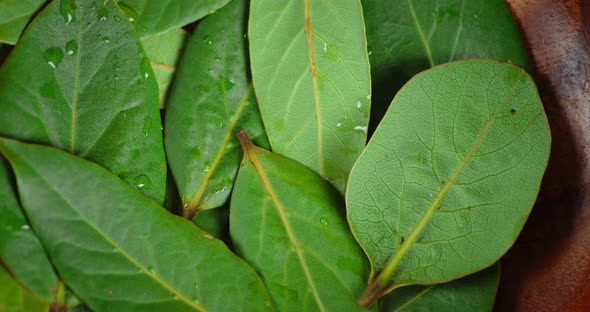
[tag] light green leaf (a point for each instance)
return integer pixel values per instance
(155, 17)
(311, 76)
(20, 249)
(14, 16)
(119, 250)
(475, 293)
(79, 80)
(211, 100)
(289, 224)
(15, 298)
(449, 177)
(406, 37)
(163, 50)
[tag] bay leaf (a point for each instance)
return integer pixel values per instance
(474, 292)
(14, 16)
(155, 17)
(15, 298)
(406, 37)
(214, 221)
(289, 224)
(119, 250)
(79, 80)
(211, 100)
(20, 249)
(311, 75)
(450, 176)
(163, 51)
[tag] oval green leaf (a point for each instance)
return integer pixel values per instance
(14, 16)
(18, 242)
(154, 17)
(164, 50)
(450, 176)
(311, 74)
(211, 100)
(473, 293)
(15, 298)
(119, 250)
(289, 224)
(406, 37)
(79, 80)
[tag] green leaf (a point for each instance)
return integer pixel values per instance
(155, 17)
(211, 100)
(475, 293)
(20, 249)
(15, 298)
(14, 16)
(311, 75)
(406, 37)
(214, 221)
(450, 176)
(289, 224)
(79, 80)
(163, 50)
(119, 250)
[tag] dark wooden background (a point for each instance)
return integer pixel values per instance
(548, 269)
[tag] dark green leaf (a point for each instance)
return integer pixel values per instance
(20, 249)
(119, 250)
(211, 100)
(163, 50)
(79, 80)
(15, 298)
(407, 37)
(311, 75)
(214, 221)
(14, 16)
(154, 17)
(289, 224)
(475, 293)
(451, 174)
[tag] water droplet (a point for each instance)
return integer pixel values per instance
(325, 47)
(67, 9)
(206, 169)
(207, 39)
(324, 221)
(430, 195)
(358, 104)
(339, 124)
(117, 18)
(369, 97)
(131, 20)
(361, 128)
(71, 47)
(53, 56)
(152, 270)
(245, 36)
(142, 182)
(145, 68)
(102, 14)
(370, 52)
(147, 126)
(211, 11)
(217, 59)
(106, 39)
(25, 227)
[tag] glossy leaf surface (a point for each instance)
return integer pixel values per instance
(212, 99)
(142, 259)
(471, 293)
(163, 50)
(406, 37)
(20, 249)
(79, 80)
(289, 224)
(155, 17)
(14, 16)
(450, 176)
(311, 75)
(15, 298)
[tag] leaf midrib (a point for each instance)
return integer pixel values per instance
(196, 199)
(251, 154)
(421, 33)
(118, 248)
(395, 260)
(314, 78)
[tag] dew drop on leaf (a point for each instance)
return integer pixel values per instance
(147, 126)
(71, 47)
(67, 9)
(102, 14)
(324, 221)
(142, 182)
(53, 56)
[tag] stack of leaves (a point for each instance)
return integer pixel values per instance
(153, 162)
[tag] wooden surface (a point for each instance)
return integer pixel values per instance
(548, 269)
